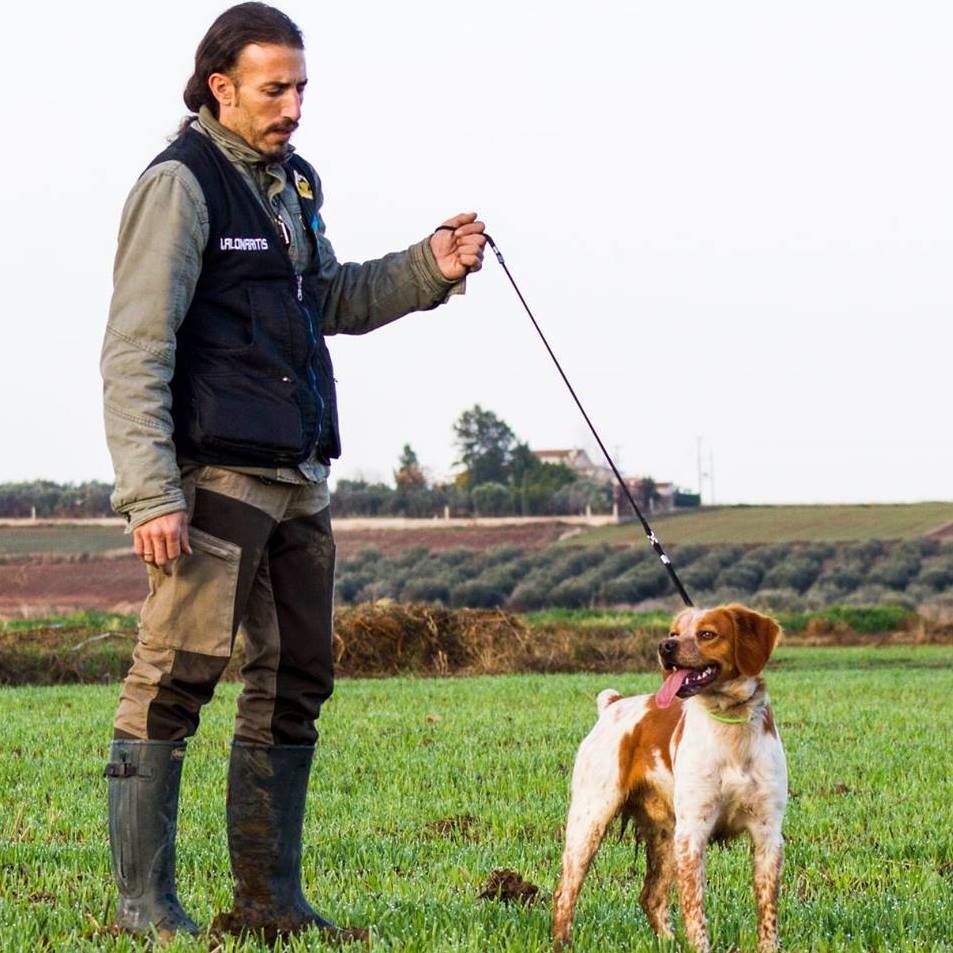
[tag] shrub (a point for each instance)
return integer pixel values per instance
(776, 600)
(377, 589)
(426, 589)
(796, 572)
(642, 582)
(492, 499)
(766, 556)
(864, 552)
(870, 595)
(686, 553)
(530, 594)
(366, 556)
(743, 576)
(347, 585)
(477, 595)
(844, 574)
(818, 551)
(701, 573)
(895, 571)
(574, 593)
(619, 561)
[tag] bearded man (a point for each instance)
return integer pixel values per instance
(221, 420)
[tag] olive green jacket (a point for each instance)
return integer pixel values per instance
(162, 237)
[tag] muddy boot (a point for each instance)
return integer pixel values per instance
(267, 786)
(143, 806)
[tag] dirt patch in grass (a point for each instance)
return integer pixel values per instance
(462, 826)
(508, 886)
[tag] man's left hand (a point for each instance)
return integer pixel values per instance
(460, 251)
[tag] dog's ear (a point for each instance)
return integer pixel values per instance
(755, 638)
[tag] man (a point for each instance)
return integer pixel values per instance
(221, 419)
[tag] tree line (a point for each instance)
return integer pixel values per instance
(498, 476)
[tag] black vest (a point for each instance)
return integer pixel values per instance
(253, 382)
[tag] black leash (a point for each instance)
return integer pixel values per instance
(649, 532)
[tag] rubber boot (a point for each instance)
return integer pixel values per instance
(143, 805)
(267, 787)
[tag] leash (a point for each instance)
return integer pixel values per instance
(649, 532)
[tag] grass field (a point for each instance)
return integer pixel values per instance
(782, 524)
(65, 540)
(423, 787)
(729, 524)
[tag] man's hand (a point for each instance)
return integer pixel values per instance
(460, 251)
(162, 540)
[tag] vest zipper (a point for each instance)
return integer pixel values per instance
(312, 378)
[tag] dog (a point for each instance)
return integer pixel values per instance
(700, 760)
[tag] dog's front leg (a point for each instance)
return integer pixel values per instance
(690, 874)
(768, 857)
(596, 800)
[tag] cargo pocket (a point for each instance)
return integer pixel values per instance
(193, 608)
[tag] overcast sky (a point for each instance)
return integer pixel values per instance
(734, 221)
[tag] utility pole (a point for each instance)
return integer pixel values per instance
(698, 456)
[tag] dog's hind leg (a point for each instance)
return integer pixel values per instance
(659, 877)
(596, 800)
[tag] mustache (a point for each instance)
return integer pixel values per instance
(282, 127)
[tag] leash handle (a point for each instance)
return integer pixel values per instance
(649, 532)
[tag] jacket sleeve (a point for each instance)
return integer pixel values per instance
(357, 298)
(162, 237)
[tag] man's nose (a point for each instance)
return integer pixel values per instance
(667, 648)
(292, 106)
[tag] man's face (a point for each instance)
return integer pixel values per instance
(261, 99)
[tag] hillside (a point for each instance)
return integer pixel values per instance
(784, 524)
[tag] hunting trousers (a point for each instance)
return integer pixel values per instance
(263, 559)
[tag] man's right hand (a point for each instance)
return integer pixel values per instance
(162, 540)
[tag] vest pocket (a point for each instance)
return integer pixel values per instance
(241, 412)
(193, 608)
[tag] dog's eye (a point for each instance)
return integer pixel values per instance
(706, 635)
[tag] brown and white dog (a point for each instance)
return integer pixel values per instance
(698, 761)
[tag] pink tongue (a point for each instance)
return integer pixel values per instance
(664, 696)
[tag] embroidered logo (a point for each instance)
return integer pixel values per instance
(303, 186)
(243, 244)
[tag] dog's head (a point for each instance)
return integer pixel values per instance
(714, 651)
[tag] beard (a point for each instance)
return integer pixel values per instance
(279, 150)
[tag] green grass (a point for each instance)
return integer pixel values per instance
(782, 524)
(68, 540)
(869, 828)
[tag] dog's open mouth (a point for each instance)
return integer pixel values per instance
(684, 682)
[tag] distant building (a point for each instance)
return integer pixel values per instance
(650, 495)
(578, 461)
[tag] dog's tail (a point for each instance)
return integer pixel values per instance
(605, 698)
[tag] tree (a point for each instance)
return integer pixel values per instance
(486, 445)
(408, 475)
(647, 494)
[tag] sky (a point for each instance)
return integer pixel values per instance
(733, 220)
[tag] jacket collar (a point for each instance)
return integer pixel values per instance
(232, 144)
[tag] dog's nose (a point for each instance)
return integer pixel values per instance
(667, 648)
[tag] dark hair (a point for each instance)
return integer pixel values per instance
(226, 38)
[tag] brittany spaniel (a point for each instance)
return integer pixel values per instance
(698, 761)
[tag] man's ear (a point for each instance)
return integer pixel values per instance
(223, 88)
(755, 638)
